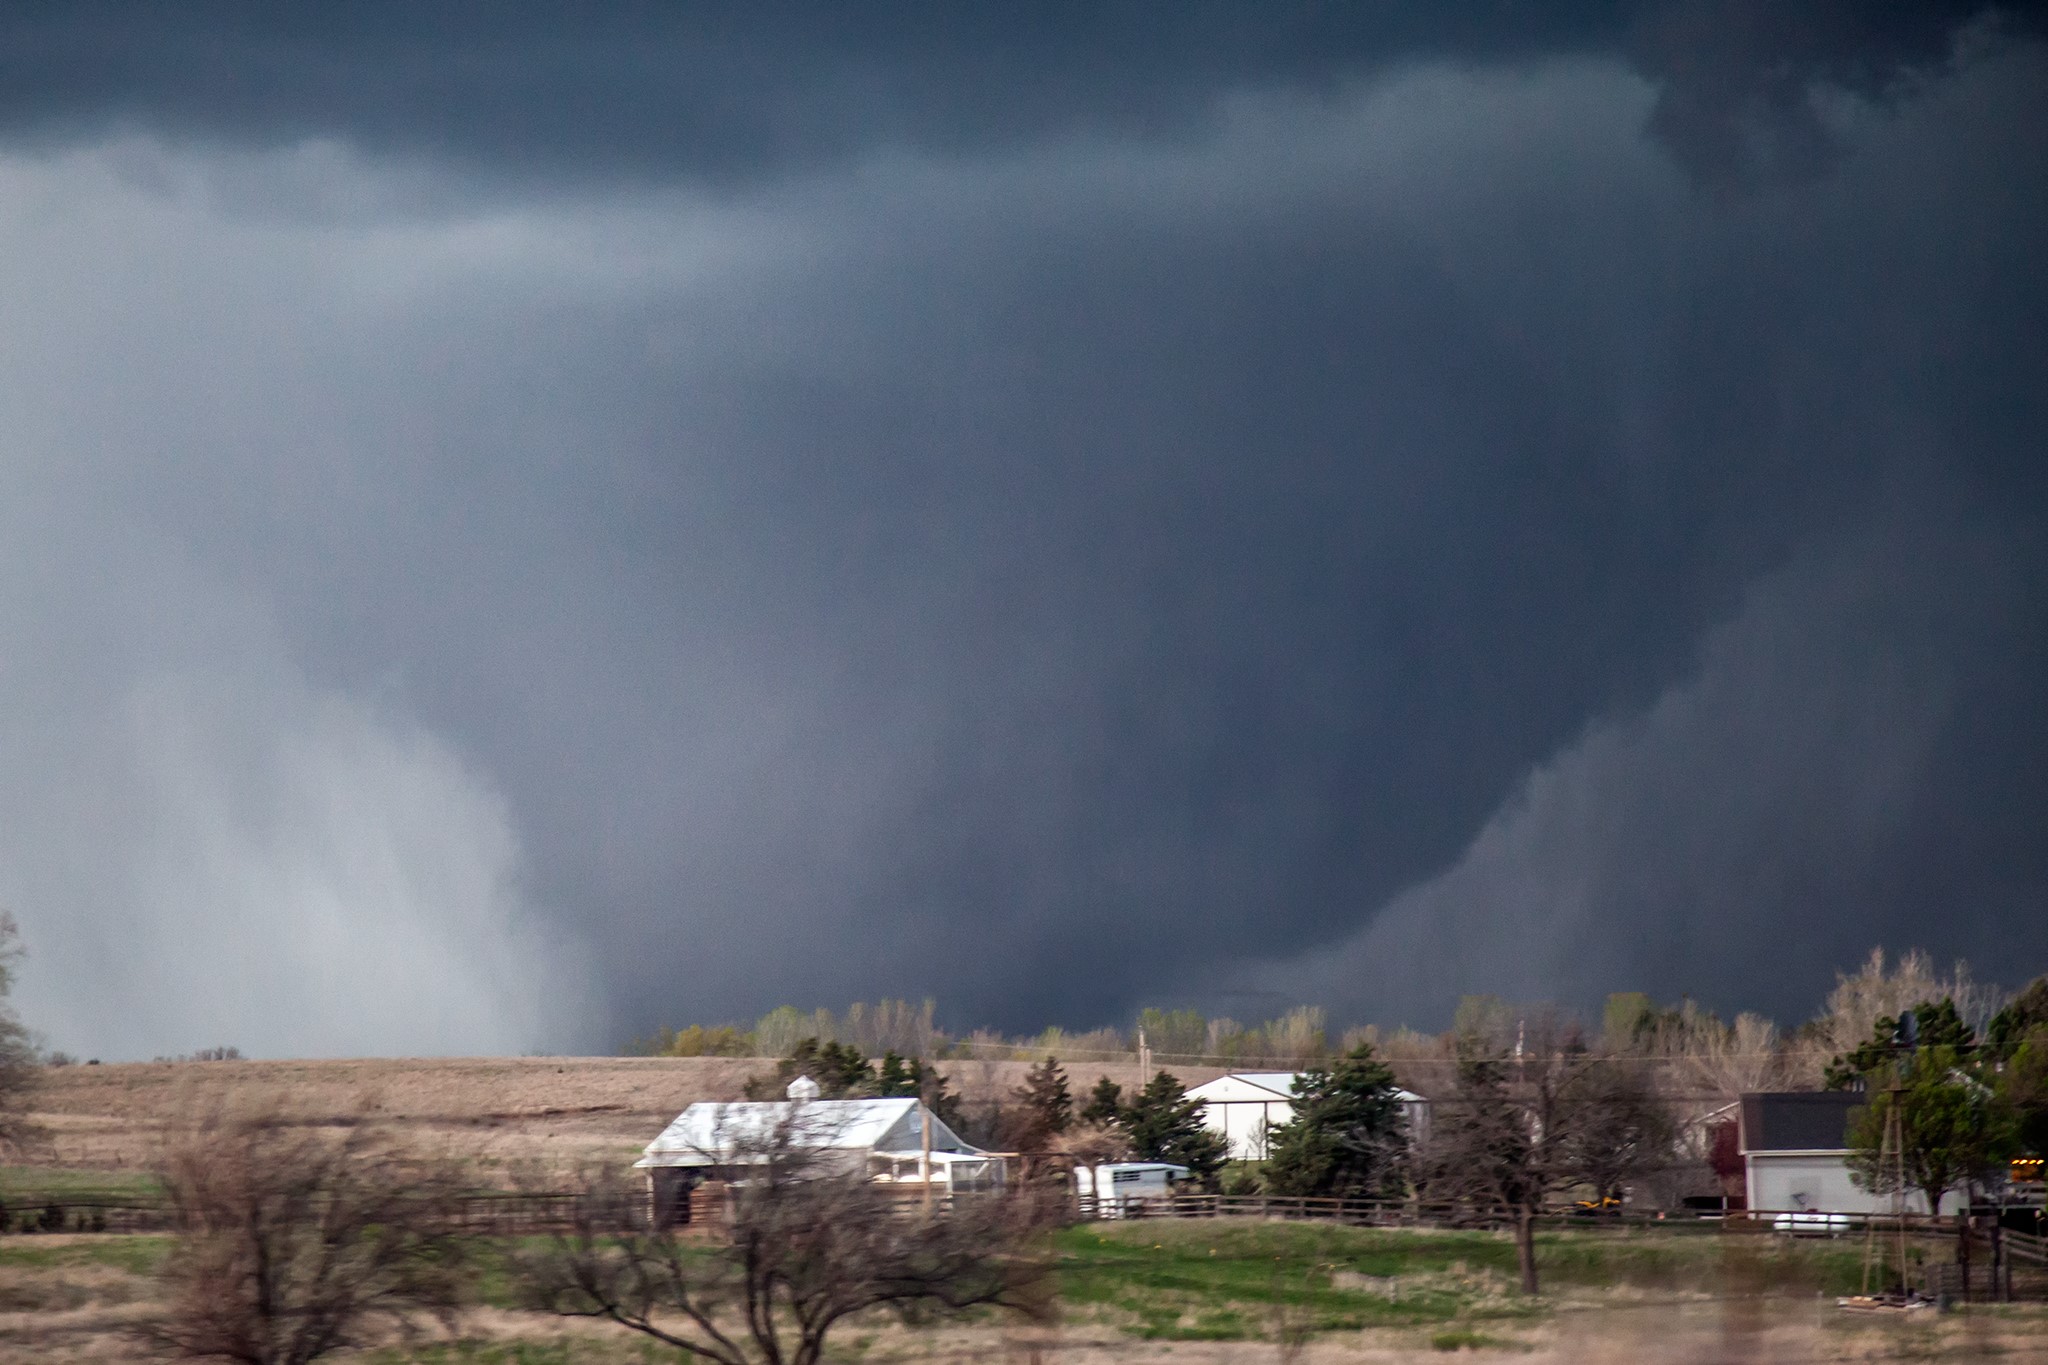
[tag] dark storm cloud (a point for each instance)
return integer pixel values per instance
(1211, 528)
(735, 92)
(1294, 545)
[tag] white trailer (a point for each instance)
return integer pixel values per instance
(1118, 1185)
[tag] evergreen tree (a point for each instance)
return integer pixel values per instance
(1927, 1025)
(1046, 1101)
(1953, 1128)
(1348, 1136)
(897, 1078)
(931, 1084)
(839, 1069)
(2023, 1086)
(2027, 1013)
(1105, 1103)
(1165, 1125)
(907, 1078)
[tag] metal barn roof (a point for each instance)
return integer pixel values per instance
(711, 1134)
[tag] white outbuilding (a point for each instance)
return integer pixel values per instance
(1795, 1157)
(885, 1138)
(1245, 1106)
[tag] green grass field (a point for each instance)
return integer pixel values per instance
(1244, 1279)
(1231, 1279)
(129, 1254)
(22, 1184)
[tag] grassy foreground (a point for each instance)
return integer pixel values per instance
(1202, 1288)
(1231, 1279)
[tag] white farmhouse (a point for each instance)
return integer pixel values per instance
(1246, 1105)
(882, 1137)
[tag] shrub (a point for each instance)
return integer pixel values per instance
(1242, 1181)
(694, 1041)
(1460, 1339)
(293, 1244)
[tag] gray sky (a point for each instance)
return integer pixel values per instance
(516, 529)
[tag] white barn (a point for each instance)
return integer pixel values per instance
(1246, 1105)
(883, 1137)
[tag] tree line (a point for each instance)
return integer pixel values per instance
(1712, 1054)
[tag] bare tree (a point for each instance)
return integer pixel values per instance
(294, 1242)
(1297, 1036)
(806, 1243)
(18, 1069)
(1886, 990)
(1082, 1144)
(1484, 1152)
(1525, 1121)
(1615, 1129)
(1724, 1060)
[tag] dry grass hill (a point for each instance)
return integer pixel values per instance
(498, 1110)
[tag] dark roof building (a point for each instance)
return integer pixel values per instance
(1798, 1120)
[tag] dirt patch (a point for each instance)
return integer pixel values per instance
(499, 1110)
(69, 1289)
(1671, 1333)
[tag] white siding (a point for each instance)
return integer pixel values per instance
(1244, 1124)
(1818, 1181)
(1244, 1107)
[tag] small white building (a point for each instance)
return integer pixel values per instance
(1116, 1185)
(882, 1137)
(1795, 1156)
(1246, 1105)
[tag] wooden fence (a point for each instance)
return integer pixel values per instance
(1402, 1213)
(2026, 1247)
(84, 1215)
(518, 1214)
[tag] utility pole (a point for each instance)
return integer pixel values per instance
(924, 1128)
